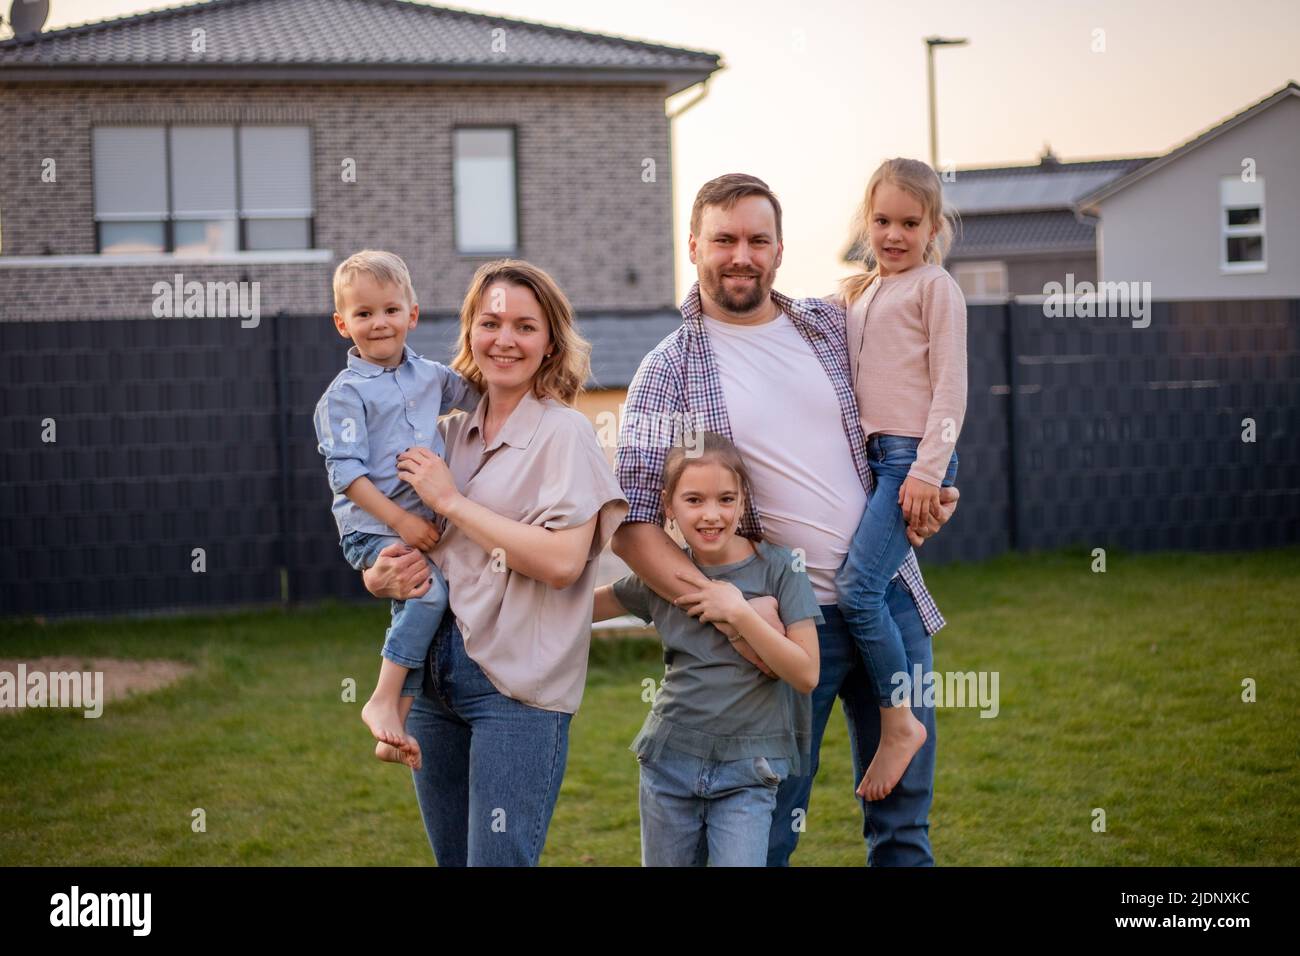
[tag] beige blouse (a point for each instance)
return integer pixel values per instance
(544, 467)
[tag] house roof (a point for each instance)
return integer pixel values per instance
(1050, 184)
(619, 341)
(312, 40)
(998, 235)
(1088, 202)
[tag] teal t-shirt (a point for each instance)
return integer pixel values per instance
(713, 703)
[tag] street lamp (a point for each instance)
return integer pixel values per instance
(930, 44)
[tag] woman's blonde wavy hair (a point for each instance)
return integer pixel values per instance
(564, 373)
(921, 182)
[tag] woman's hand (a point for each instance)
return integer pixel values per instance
(714, 602)
(429, 476)
(399, 572)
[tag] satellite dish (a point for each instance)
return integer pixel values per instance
(28, 16)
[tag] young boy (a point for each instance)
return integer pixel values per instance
(387, 400)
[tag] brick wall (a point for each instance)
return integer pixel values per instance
(584, 213)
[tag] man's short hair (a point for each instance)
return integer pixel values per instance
(726, 191)
(383, 267)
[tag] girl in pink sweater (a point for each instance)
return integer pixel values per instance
(906, 332)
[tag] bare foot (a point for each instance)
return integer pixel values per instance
(386, 726)
(901, 736)
(393, 754)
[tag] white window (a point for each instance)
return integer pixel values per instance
(275, 186)
(130, 168)
(981, 278)
(486, 208)
(196, 190)
(1241, 225)
(204, 216)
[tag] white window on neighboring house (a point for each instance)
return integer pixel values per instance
(981, 278)
(1241, 225)
(202, 190)
(486, 195)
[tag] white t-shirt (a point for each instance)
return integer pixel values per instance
(785, 420)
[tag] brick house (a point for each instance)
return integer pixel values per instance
(267, 140)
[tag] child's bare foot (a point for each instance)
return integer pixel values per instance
(391, 754)
(387, 727)
(901, 736)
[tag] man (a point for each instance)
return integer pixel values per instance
(772, 374)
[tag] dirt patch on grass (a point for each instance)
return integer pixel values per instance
(121, 677)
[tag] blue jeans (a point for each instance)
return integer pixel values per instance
(491, 766)
(415, 621)
(696, 811)
(879, 547)
(897, 829)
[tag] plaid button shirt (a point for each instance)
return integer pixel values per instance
(677, 389)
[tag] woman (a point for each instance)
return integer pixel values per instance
(529, 501)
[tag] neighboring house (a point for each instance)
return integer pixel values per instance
(1016, 228)
(264, 140)
(1216, 218)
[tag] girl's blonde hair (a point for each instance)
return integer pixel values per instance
(564, 373)
(707, 448)
(922, 183)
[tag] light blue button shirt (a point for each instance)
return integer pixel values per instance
(369, 415)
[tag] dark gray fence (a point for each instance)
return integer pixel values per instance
(1099, 434)
(184, 434)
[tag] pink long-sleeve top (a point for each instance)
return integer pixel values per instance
(907, 355)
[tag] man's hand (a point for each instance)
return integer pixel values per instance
(399, 572)
(932, 521)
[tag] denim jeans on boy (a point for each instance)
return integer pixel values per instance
(879, 547)
(491, 766)
(696, 812)
(415, 621)
(897, 828)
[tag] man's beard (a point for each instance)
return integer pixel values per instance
(741, 302)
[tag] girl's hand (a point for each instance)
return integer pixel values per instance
(716, 601)
(918, 499)
(429, 476)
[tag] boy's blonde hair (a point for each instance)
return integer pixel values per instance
(563, 373)
(922, 183)
(381, 266)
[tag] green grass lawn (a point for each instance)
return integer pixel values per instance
(1120, 691)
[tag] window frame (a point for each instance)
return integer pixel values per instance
(1227, 232)
(516, 250)
(168, 223)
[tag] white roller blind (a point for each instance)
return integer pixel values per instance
(130, 165)
(484, 179)
(203, 171)
(275, 171)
